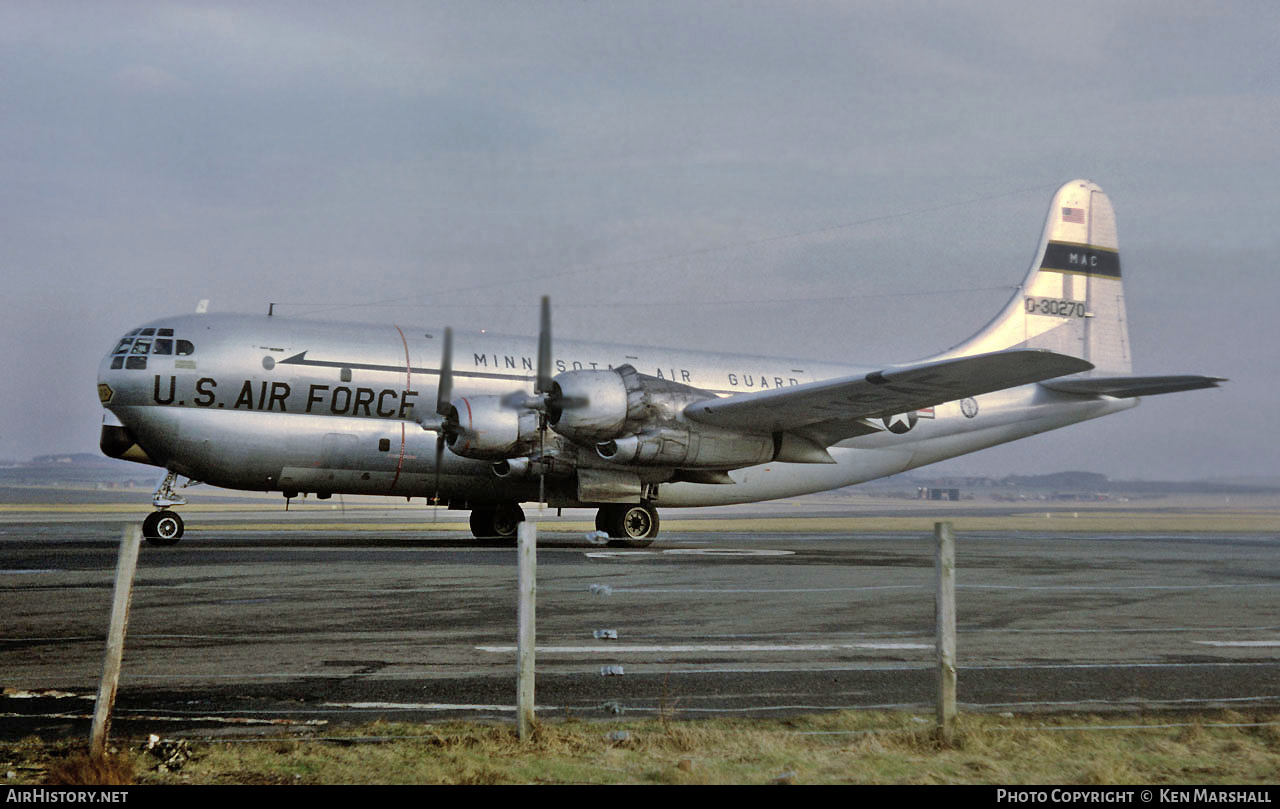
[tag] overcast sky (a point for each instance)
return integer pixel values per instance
(835, 180)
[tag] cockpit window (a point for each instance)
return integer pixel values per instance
(132, 350)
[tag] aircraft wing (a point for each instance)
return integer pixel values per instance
(832, 410)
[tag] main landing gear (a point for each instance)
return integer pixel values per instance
(498, 521)
(629, 525)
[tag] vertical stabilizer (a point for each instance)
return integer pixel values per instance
(1072, 301)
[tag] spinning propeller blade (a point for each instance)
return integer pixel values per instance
(544, 383)
(444, 396)
(444, 393)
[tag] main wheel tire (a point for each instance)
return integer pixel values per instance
(162, 528)
(497, 522)
(506, 521)
(631, 526)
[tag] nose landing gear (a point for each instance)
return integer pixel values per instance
(164, 527)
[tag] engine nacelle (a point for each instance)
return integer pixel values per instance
(549, 464)
(483, 427)
(697, 448)
(513, 468)
(633, 418)
(596, 405)
(603, 404)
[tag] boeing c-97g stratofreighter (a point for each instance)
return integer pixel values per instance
(487, 422)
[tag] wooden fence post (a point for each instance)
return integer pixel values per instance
(126, 566)
(946, 628)
(527, 552)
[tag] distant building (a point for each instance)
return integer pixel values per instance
(937, 493)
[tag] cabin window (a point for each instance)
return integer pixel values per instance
(162, 346)
(345, 374)
(135, 363)
(185, 348)
(384, 444)
(123, 347)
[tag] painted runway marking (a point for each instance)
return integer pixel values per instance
(685, 552)
(427, 706)
(1113, 588)
(420, 707)
(726, 552)
(1241, 643)
(143, 717)
(783, 590)
(613, 648)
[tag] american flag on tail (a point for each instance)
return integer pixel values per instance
(1073, 215)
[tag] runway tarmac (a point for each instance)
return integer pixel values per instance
(245, 627)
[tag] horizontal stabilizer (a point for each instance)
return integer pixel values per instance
(832, 410)
(1127, 387)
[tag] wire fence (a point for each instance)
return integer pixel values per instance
(734, 614)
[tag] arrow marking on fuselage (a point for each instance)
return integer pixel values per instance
(301, 359)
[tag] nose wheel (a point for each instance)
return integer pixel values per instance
(163, 527)
(630, 526)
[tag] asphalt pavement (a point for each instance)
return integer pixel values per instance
(256, 629)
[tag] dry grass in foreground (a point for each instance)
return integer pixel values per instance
(838, 748)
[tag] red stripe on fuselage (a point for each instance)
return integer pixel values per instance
(408, 379)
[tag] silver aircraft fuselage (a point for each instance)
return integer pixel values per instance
(273, 404)
(294, 406)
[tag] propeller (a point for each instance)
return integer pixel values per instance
(544, 387)
(547, 398)
(443, 423)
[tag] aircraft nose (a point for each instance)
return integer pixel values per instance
(109, 370)
(105, 390)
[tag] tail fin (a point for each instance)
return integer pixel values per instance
(1072, 301)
